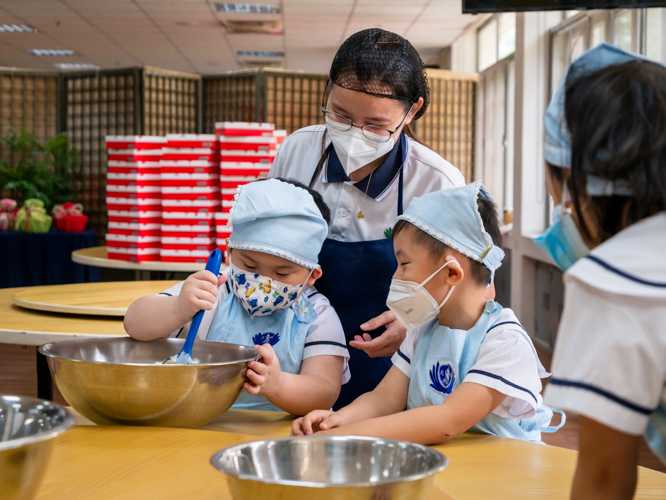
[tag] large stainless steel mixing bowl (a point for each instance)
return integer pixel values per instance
(121, 381)
(329, 467)
(27, 429)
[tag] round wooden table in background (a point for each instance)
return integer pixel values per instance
(99, 299)
(104, 462)
(97, 256)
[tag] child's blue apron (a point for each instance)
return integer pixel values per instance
(442, 359)
(285, 330)
(655, 434)
(356, 280)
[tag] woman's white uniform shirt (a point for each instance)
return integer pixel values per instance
(610, 357)
(324, 338)
(424, 172)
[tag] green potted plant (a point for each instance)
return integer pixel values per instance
(48, 172)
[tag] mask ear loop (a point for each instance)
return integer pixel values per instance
(438, 270)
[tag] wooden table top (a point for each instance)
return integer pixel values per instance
(99, 299)
(26, 327)
(97, 256)
(149, 460)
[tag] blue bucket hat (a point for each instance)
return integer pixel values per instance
(452, 217)
(557, 145)
(278, 218)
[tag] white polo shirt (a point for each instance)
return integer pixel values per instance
(610, 357)
(325, 337)
(507, 362)
(424, 172)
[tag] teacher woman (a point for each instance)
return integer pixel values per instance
(368, 165)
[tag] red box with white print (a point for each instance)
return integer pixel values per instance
(232, 143)
(280, 135)
(132, 241)
(244, 129)
(245, 169)
(170, 255)
(191, 141)
(187, 231)
(135, 217)
(132, 254)
(135, 229)
(233, 181)
(134, 142)
(238, 156)
(134, 167)
(190, 180)
(138, 205)
(135, 155)
(191, 154)
(189, 167)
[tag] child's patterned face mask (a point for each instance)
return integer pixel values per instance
(261, 296)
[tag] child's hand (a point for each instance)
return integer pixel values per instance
(198, 292)
(318, 420)
(263, 376)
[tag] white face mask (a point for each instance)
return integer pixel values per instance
(412, 304)
(354, 149)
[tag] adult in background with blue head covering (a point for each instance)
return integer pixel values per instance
(264, 299)
(606, 160)
(466, 363)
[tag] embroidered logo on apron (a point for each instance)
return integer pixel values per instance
(266, 338)
(442, 377)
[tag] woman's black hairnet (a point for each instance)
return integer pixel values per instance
(382, 64)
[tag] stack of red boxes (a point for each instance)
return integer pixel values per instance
(190, 172)
(247, 150)
(134, 197)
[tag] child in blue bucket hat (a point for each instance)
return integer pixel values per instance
(466, 363)
(264, 299)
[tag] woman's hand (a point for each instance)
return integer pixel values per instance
(387, 343)
(199, 292)
(263, 376)
(315, 421)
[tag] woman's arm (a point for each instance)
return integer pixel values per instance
(467, 405)
(607, 463)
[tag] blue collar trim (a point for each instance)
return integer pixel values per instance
(383, 175)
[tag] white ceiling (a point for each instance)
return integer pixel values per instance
(185, 35)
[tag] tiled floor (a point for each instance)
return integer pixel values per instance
(18, 376)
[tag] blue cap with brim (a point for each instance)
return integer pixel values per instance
(557, 144)
(278, 218)
(452, 217)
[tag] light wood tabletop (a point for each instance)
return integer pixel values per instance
(481, 466)
(103, 299)
(26, 327)
(97, 256)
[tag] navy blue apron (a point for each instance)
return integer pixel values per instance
(356, 280)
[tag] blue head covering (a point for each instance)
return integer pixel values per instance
(557, 147)
(275, 217)
(452, 217)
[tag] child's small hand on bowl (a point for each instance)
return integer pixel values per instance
(263, 376)
(316, 421)
(199, 292)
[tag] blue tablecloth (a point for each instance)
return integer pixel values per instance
(29, 259)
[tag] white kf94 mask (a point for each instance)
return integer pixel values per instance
(412, 304)
(354, 149)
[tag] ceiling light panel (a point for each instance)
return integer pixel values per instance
(246, 8)
(263, 54)
(75, 66)
(52, 52)
(16, 28)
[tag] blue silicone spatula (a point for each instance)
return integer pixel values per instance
(184, 357)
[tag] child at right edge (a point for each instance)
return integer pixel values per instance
(466, 363)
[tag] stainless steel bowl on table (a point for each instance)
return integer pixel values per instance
(121, 381)
(27, 429)
(329, 467)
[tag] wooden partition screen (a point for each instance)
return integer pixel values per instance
(448, 126)
(28, 99)
(290, 99)
(171, 102)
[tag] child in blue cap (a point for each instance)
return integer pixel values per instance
(466, 363)
(264, 299)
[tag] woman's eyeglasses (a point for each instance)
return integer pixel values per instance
(371, 132)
